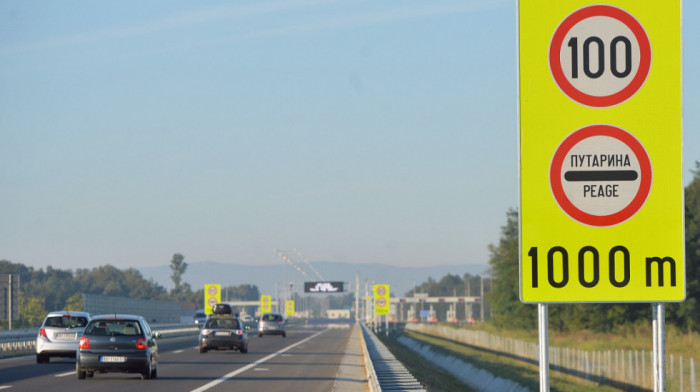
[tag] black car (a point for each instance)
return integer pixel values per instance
(117, 343)
(223, 332)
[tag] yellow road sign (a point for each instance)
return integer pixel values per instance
(265, 304)
(212, 296)
(289, 307)
(601, 192)
(381, 299)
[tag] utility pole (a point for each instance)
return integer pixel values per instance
(9, 304)
(357, 297)
(483, 303)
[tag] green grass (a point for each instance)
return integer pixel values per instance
(629, 337)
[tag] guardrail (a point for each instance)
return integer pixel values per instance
(385, 372)
(371, 373)
(23, 342)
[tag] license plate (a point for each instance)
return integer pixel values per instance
(112, 359)
(222, 333)
(65, 336)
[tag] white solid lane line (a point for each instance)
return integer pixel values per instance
(5, 386)
(254, 364)
(65, 374)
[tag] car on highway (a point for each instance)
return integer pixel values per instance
(59, 334)
(272, 324)
(223, 332)
(117, 343)
(199, 317)
(249, 322)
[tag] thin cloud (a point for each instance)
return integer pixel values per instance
(213, 14)
(388, 16)
(176, 21)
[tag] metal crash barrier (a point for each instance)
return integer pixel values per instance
(385, 372)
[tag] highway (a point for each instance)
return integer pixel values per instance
(306, 360)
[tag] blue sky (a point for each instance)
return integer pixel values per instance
(355, 131)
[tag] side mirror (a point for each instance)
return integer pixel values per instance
(156, 335)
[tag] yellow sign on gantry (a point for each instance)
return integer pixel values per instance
(601, 191)
(381, 299)
(265, 304)
(289, 307)
(212, 296)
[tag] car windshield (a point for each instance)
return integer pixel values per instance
(65, 322)
(222, 324)
(272, 317)
(114, 328)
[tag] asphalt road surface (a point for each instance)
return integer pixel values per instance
(306, 360)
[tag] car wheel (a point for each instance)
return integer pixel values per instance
(284, 334)
(202, 350)
(90, 374)
(81, 374)
(260, 335)
(244, 349)
(41, 358)
(154, 372)
(146, 374)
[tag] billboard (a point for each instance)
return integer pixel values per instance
(323, 287)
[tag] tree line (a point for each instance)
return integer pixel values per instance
(44, 290)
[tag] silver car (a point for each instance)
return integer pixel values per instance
(60, 334)
(272, 324)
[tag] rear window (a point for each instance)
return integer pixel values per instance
(199, 314)
(222, 324)
(65, 322)
(272, 317)
(114, 328)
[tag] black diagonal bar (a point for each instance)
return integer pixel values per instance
(601, 175)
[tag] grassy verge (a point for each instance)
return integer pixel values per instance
(521, 372)
(629, 337)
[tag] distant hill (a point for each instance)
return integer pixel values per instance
(266, 277)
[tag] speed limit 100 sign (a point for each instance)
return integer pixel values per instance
(601, 192)
(600, 55)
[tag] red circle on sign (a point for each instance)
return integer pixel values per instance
(212, 290)
(381, 302)
(632, 87)
(566, 204)
(381, 290)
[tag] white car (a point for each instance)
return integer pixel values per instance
(59, 335)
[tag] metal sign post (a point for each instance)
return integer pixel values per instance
(659, 330)
(543, 326)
